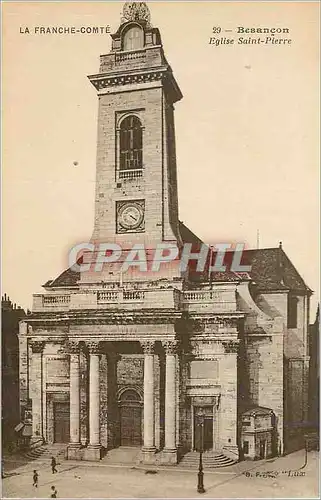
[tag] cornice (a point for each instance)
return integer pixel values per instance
(231, 346)
(90, 317)
(103, 80)
(135, 76)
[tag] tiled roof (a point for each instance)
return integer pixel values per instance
(67, 278)
(271, 267)
(273, 270)
(189, 237)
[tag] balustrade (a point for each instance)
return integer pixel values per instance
(129, 56)
(129, 174)
(202, 296)
(52, 300)
(107, 296)
(133, 295)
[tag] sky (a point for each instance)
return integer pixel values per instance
(247, 130)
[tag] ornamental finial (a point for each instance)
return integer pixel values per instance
(135, 11)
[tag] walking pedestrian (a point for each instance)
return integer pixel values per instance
(53, 465)
(54, 492)
(35, 479)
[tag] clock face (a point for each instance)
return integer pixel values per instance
(130, 216)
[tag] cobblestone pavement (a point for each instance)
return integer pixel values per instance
(279, 478)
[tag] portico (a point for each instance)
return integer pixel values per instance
(140, 397)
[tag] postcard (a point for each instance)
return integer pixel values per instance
(160, 318)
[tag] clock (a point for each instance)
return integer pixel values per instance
(130, 216)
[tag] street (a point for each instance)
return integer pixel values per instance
(274, 478)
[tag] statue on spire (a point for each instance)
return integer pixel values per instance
(136, 11)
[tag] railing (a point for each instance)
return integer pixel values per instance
(211, 301)
(132, 173)
(133, 295)
(202, 296)
(100, 299)
(129, 56)
(115, 296)
(55, 300)
(107, 296)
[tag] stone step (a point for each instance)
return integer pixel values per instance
(207, 460)
(46, 452)
(214, 460)
(123, 455)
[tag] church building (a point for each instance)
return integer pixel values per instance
(168, 361)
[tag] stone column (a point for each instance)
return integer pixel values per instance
(170, 450)
(93, 450)
(36, 393)
(149, 404)
(72, 451)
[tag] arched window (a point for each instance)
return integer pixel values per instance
(133, 39)
(131, 144)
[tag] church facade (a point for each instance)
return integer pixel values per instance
(166, 361)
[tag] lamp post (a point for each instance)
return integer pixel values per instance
(200, 475)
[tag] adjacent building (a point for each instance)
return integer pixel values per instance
(11, 315)
(161, 360)
(314, 379)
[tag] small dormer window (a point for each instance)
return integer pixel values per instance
(133, 39)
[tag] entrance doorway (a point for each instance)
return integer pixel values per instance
(61, 422)
(130, 418)
(262, 448)
(207, 428)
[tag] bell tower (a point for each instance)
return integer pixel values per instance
(136, 182)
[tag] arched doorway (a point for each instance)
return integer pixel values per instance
(130, 409)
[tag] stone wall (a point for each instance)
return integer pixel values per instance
(265, 369)
(296, 403)
(146, 102)
(228, 403)
(185, 428)
(23, 371)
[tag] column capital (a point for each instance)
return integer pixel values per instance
(94, 347)
(170, 346)
(37, 346)
(231, 346)
(72, 347)
(148, 347)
